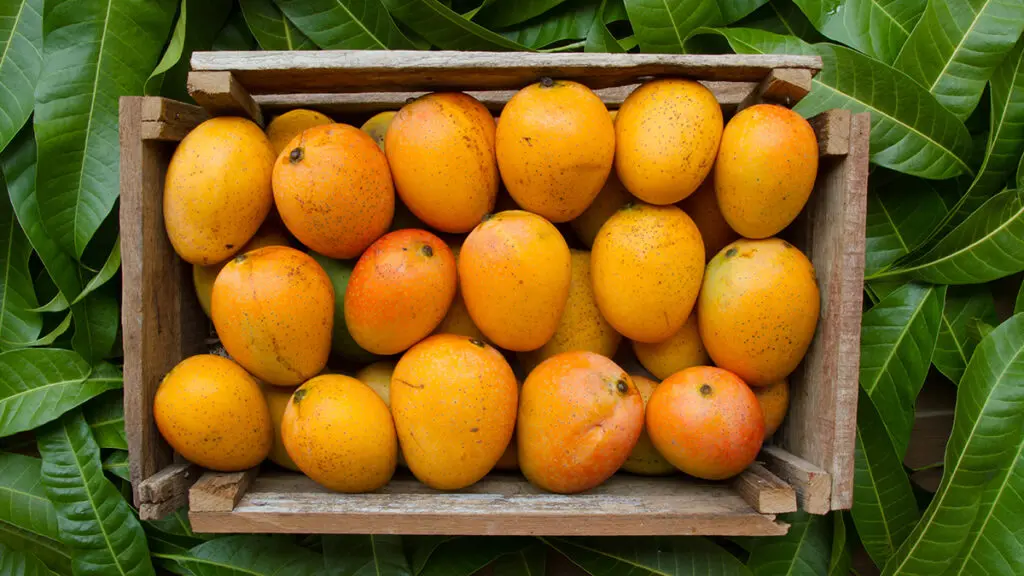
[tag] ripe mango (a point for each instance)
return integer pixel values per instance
(441, 151)
(555, 143)
(645, 458)
(377, 126)
(774, 401)
(514, 275)
(282, 129)
(458, 320)
(702, 208)
(613, 195)
(217, 189)
(682, 350)
(758, 309)
(277, 400)
(342, 343)
(273, 309)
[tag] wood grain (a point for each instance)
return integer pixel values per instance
(832, 129)
(219, 491)
(167, 490)
(764, 491)
(812, 484)
(402, 71)
(784, 86)
(221, 94)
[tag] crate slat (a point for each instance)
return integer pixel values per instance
(764, 491)
(812, 484)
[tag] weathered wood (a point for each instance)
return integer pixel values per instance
(498, 504)
(168, 132)
(221, 94)
(156, 109)
(785, 86)
(832, 128)
(219, 491)
(401, 71)
(166, 491)
(812, 484)
(161, 321)
(764, 491)
(821, 423)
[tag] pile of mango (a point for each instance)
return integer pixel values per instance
(445, 290)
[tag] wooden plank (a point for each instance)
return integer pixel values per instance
(764, 491)
(161, 321)
(221, 94)
(219, 491)
(821, 424)
(785, 86)
(168, 132)
(832, 128)
(169, 120)
(167, 490)
(813, 485)
(500, 504)
(401, 71)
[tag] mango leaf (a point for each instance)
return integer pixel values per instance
(910, 131)
(782, 17)
(116, 463)
(506, 14)
(419, 549)
(530, 561)
(95, 52)
(956, 343)
(18, 323)
(105, 415)
(734, 10)
(21, 563)
(664, 27)
(466, 556)
(985, 438)
(445, 28)
(177, 524)
(234, 35)
(805, 549)
(21, 60)
(570, 21)
(54, 554)
(878, 28)
(111, 265)
(272, 29)
(95, 521)
(371, 555)
(599, 38)
(987, 246)
(38, 385)
(649, 556)
(248, 556)
(198, 23)
(97, 324)
(902, 212)
(839, 562)
(1018, 307)
(346, 24)
(957, 45)
(23, 501)
(886, 510)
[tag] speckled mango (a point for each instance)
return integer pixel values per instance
(282, 129)
(758, 309)
(273, 309)
(645, 458)
(582, 327)
(580, 416)
(682, 350)
(333, 188)
(454, 402)
(400, 290)
(277, 400)
(217, 189)
(766, 169)
(514, 275)
(667, 134)
(213, 413)
(457, 320)
(646, 265)
(441, 151)
(613, 195)
(774, 402)
(555, 146)
(377, 126)
(339, 433)
(702, 208)
(343, 346)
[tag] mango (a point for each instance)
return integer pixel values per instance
(682, 350)
(378, 377)
(454, 402)
(342, 344)
(645, 458)
(333, 188)
(377, 126)
(774, 402)
(282, 129)
(613, 195)
(667, 134)
(647, 264)
(277, 400)
(217, 189)
(441, 151)
(555, 144)
(458, 320)
(766, 169)
(702, 208)
(514, 275)
(758, 309)
(273, 309)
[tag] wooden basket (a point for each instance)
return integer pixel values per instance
(810, 464)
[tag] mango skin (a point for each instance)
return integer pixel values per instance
(682, 350)
(441, 151)
(765, 170)
(273, 309)
(774, 401)
(454, 402)
(457, 320)
(333, 188)
(277, 400)
(213, 413)
(613, 195)
(282, 129)
(667, 134)
(377, 126)
(645, 458)
(581, 327)
(646, 265)
(555, 146)
(342, 343)
(702, 208)
(217, 189)
(514, 275)
(758, 309)
(339, 433)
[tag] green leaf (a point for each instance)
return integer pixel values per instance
(1018, 307)
(21, 60)
(878, 28)
(235, 34)
(445, 28)
(59, 303)
(38, 385)
(506, 14)
(957, 45)
(346, 24)
(176, 524)
(897, 339)
(198, 24)
(272, 29)
(21, 563)
(661, 26)
(599, 38)
(902, 212)
(734, 10)
(644, 556)
(420, 548)
(95, 521)
(782, 17)
(805, 549)
(117, 464)
(249, 556)
(985, 437)
(840, 560)
(371, 555)
(23, 501)
(54, 554)
(884, 510)
(910, 131)
(570, 21)
(95, 52)
(18, 323)
(466, 556)
(530, 561)
(956, 343)
(51, 337)
(987, 246)
(105, 415)
(96, 324)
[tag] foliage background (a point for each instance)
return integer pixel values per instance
(942, 79)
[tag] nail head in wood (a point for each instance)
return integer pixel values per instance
(220, 93)
(764, 491)
(219, 491)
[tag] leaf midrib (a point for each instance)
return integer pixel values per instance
(878, 499)
(903, 333)
(361, 25)
(959, 45)
(52, 384)
(613, 557)
(7, 269)
(14, 30)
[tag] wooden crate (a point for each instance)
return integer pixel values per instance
(810, 464)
